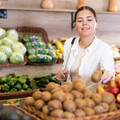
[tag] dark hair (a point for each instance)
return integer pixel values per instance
(86, 8)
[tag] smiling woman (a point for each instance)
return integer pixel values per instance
(86, 53)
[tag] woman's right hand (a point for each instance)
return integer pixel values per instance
(62, 75)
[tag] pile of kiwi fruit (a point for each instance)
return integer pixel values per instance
(71, 100)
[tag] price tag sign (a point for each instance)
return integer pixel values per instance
(14, 102)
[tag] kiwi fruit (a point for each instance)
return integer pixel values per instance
(96, 76)
(39, 104)
(105, 106)
(67, 83)
(112, 107)
(59, 95)
(89, 102)
(87, 93)
(107, 97)
(69, 106)
(79, 85)
(57, 113)
(36, 95)
(51, 85)
(46, 96)
(97, 98)
(89, 111)
(69, 96)
(79, 113)
(45, 110)
(29, 101)
(56, 90)
(54, 104)
(98, 109)
(77, 94)
(80, 103)
(69, 115)
(66, 88)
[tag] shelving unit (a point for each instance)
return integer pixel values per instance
(52, 10)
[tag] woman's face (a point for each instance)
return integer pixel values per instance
(85, 23)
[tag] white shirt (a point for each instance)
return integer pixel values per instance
(98, 56)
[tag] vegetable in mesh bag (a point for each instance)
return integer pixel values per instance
(19, 47)
(40, 58)
(12, 34)
(2, 33)
(16, 58)
(7, 50)
(3, 58)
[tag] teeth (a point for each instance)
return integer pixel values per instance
(85, 29)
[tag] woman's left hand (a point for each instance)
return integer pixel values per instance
(107, 76)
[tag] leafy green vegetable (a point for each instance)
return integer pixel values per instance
(16, 58)
(3, 58)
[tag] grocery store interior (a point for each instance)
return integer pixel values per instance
(58, 24)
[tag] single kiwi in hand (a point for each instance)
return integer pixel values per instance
(96, 76)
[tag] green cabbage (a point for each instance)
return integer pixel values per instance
(19, 47)
(16, 58)
(12, 34)
(1, 42)
(2, 33)
(3, 58)
(7, 42)
(6, 50)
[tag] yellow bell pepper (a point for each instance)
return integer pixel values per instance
(59, 45)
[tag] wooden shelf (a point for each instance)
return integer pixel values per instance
(53, 10)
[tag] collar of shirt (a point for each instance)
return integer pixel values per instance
(88, 49)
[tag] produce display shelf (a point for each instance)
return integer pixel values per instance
(36, 31)
(104, 116)
(13, 95)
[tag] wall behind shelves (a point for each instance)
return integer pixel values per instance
(58, 24)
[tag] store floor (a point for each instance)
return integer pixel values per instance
(31, 70)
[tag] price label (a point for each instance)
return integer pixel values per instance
(14, 102)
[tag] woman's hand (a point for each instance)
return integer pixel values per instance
(107, 76)
(62, 75)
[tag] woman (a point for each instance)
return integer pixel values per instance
(88, 53)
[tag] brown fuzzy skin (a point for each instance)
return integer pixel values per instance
(56, 90)
(59, 95)
(69, 106)
(66, 88)
(113, 107)
(69, 115)
(105, 106)
(89, 111)
(98, 109)
(89, 103)
(69, 96)
(51, 85)
(97, 98)
(47, 4)
(77, 94)
(87, 93)
(79, 113)
(29, 101)
(96, 76)
(57, 113)
(46, 96)
(45, 110)
(107, 97)
(79, 85)
(54, 104)
(67, 83)
(80, 103)
(36, 95)
(39, 104)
